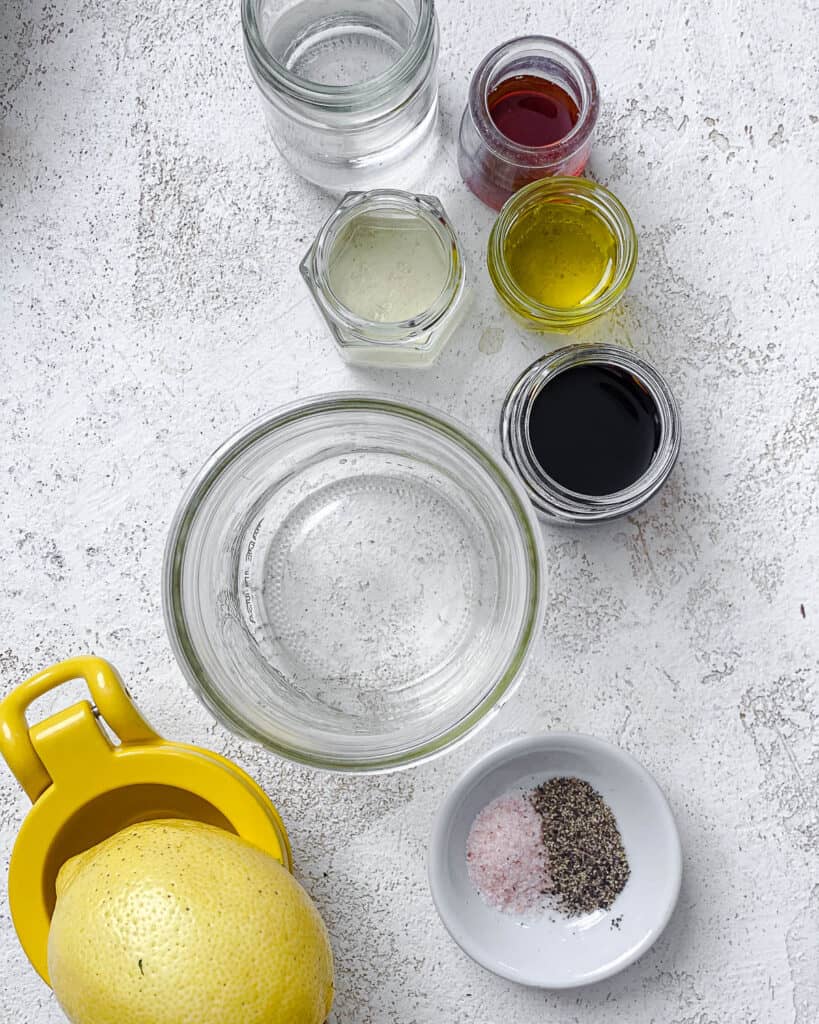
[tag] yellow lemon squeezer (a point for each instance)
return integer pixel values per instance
(87, 783)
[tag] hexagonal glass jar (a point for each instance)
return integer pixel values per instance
(387, 274)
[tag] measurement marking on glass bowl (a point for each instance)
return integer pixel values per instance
(246, 588)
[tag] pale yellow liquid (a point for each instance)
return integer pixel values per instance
(387, 268)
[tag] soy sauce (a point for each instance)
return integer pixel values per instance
(594, 429)
(532, 111)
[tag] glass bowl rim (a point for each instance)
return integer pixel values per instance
(240, 441)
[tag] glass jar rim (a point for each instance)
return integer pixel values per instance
(207, 477)
(354, 97)
(515, 152)
(315, 264)
(552, 499)
(592, 196)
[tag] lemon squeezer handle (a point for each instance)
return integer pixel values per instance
(110, 698)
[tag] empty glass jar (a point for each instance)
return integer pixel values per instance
(349, 87)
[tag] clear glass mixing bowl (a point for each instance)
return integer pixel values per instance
(353, 582)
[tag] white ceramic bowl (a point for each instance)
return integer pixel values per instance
(548, 950)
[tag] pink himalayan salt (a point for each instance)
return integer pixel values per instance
(505, 855)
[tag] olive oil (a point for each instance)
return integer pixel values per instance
(561, 254)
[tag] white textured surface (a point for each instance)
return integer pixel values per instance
(151, 304)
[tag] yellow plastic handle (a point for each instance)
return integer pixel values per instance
(110, 698)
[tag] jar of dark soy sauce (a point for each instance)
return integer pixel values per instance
(593, 432)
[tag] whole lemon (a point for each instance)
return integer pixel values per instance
(175, 922)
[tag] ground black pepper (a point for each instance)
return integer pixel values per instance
(587, 863)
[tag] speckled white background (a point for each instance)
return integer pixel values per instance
(151, 304)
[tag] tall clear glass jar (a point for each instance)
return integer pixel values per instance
(349, 87)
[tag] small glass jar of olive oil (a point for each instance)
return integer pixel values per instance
(561, 253)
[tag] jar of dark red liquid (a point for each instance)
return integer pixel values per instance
(532, 107)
